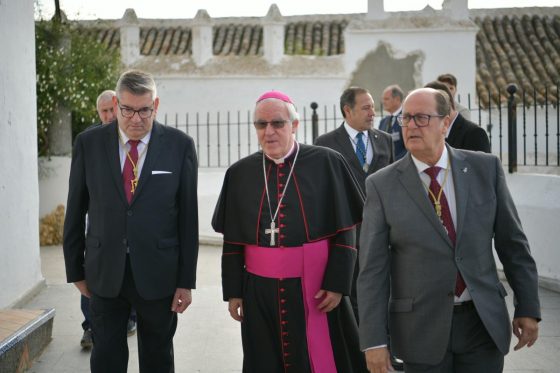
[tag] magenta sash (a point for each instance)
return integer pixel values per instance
(308, 262)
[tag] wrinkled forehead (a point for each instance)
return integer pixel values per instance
(419, 102)
(271, 107)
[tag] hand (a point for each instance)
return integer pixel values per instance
(330, 302)
(526, 329)
(378, 360)
(82, 287)
(235, 308)
(181, 300)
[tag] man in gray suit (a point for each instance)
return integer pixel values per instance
(427, 268)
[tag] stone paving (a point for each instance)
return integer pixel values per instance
(208, 340)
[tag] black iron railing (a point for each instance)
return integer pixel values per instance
(223, 138)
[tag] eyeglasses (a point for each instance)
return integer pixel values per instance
(143, 113)
(421, 120)
(276, 124)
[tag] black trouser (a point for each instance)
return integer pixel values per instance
(470, 348)
(156, 327)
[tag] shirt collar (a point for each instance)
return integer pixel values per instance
(353, 132)
(397, 112)
(441, 163)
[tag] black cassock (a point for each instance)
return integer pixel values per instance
(322, 201)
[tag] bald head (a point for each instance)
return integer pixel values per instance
(425, 123)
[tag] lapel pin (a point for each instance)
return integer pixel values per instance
(465, 170)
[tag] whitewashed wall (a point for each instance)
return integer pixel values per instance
(434, 45)
(20, 269)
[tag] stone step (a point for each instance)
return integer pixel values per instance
(23, 336)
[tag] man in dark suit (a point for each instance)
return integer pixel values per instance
(451, 82)
(137, 181)
(392, 103)
(356, 105)
(462, 133)
(106, 115)
(430, 273)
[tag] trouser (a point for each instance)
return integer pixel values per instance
(156, 327)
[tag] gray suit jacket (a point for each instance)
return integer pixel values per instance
(381, 143)
(408, 265)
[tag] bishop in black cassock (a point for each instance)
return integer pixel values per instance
(318, 203)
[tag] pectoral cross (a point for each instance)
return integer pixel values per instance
(272, 231)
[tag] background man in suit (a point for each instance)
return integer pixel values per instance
(430, 273)
(451, 82)
(106, 115)
(462, 133)
(105, 106)
(358, 110)
(392, 102)
(137, 181)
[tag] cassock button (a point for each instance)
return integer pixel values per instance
(280, 165)
(282, 301)
(282, 225)
(281, 174)
(282, 236)
(282, 290)
(281, 185)
(282, 215)
(284, 322)
(282, 205)
(129, 212)
(284, 312)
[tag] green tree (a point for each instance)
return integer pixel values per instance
(72, 69)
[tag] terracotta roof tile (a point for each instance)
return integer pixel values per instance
(511, 47)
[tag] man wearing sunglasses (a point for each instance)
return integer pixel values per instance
(426, 260)
(137, 181)
(288, 215)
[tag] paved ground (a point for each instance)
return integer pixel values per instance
(207, 340)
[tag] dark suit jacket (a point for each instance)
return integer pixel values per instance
(160, 226)
(408, 264)
(468, 136)
(381, 143)
(389, 125)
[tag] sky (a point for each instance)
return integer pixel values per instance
(114, 9)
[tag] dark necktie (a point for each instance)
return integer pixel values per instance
(130, 164)
(390, 124)
(445, 218)
(360, 149)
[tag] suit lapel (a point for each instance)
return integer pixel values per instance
(152, 153)
(412, 183)
(460, 171)
(113, 155)
(347, 151)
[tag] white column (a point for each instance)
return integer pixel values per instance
(202, 38)
(20, 266)
(130, 37)
(376, 10)
(456, 9)
(273, 35)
